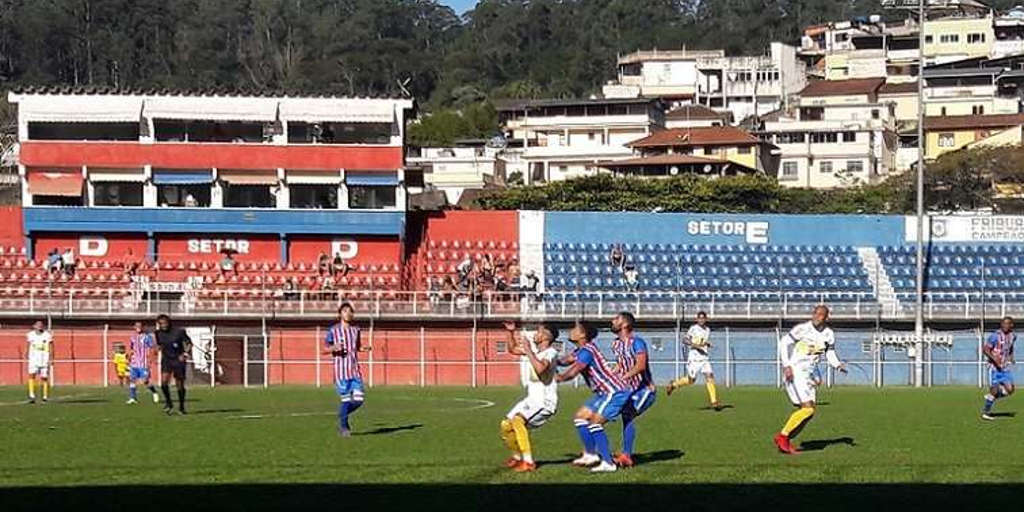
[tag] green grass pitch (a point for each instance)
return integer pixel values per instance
(436, 445)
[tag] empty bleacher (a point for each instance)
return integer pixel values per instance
(955, 273)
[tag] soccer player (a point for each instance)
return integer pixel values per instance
(998, 349)
(40, 346)
(808, 341)
(610, 395)
(175, 347)
(698, 338)
(632, 355)
(343, 343)
(120, 365)
(537, 367)
(140, 348)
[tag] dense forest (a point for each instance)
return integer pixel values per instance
(502, 48)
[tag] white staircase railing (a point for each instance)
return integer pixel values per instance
(879, 278)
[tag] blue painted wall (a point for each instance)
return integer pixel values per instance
(725, 229)
(188, 220)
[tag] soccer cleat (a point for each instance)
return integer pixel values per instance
(156, 398)
(344, 432)
(132, 401)
(783, 444)
(586, 460)
(182, 411)
(669, 389)
(623, 460)
(45, 399)
(512, 462)
(604, 467)
(717, 407)
(987, 416)
(31, 400)
(168, 411)
(525, 467)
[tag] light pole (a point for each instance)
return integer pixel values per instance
(919, 296)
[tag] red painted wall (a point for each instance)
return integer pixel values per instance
(474, 225)
(92, 247)
(203, 247)
(368, 249)
(292, 355)
(176, 155)
(12, 228)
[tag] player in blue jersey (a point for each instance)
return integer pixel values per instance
(998, 349)
(633, 365)
(611, 394)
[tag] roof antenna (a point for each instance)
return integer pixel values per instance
(402, 85)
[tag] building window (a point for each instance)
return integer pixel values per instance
(371, 197)
(789, 171)
(791, 138)
(41, 200)
(172, 130)
(875, 113)
(928, 39)
(340, 133)
(946, 140)
(249, 196)
(942, 111)
(743, 150)
(975, 38)
(825, 167)
(978, 110)
(824, 138)
(854, 166)
(849, 136)
(117, 194)
(83, 131)
(949, 38)
(317, 197)
(184, 195)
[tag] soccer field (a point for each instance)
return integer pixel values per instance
(435, 438)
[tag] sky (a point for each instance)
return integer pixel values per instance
(460, 6)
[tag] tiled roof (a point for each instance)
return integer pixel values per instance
(702, 136)
(969, 122)
(899, 88)
(842, 87)
(170, 91)
(694, 112)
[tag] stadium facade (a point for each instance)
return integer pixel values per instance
(152, 192)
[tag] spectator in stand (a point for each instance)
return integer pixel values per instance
(227, 265)
(512, 274)
(190, 201)
(68, 262)
(450, 289)
(463, 269)
(617, 257)
(131, 265)
(327, 288)
(433, 291)
(632, 278)
(532, 282)
(487, 268)
(53, 262)
(323, 264)
(289, 290)
(339, 268)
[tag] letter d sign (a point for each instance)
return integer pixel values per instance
(95, 247)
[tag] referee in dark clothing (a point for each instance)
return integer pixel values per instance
(175, 346)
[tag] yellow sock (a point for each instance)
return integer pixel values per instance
(31, 388)
(681, 381)
(522, 437)
(712, 392)
(796, 419)
(46, 389)
(508, 435)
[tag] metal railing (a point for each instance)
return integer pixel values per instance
(262, 303)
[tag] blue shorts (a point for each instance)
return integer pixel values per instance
(608, 406)
(998, 378)
(350, 388)
(641, 400)
(138, 374)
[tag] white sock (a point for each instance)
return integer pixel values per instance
(528, 458)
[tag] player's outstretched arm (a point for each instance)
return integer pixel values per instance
(515, 341)
(991, 356)
(571, 373)
(833, 358)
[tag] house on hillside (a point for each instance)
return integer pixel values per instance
(708, 151)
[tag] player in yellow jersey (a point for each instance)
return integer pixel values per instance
(120, 360)
(800, 351)
(537, 368)
(698, 338)
(40, 346)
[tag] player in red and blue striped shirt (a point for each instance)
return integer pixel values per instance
(344, 344)
(634, 366)
(140, 347)
(998, 349)
(610, 395)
